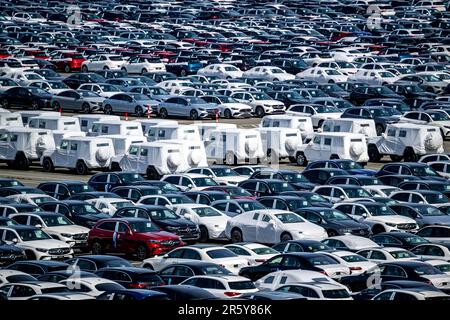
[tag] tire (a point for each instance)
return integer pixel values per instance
(30, 255)
(5, 103)
(47, 165)
(379, 129)
(152, 174)
(292, 159)
(227, 114)
(163, 113)
(84, 69)
(236, 236)
(230, 158)
(81, 168)
(34, 105)
(285, 237)
(105, 68)
(56, 106)
(260, 112)
(300, 159)
(378, 229)
(85, 108)
(276, 79)
(332, 233)
(410, 156)
(331, 81)
(67, 68)
(193, 115)
(141, 252)
(144, 71)
(396, 158)
(138, 111)
(183, 73)
(21, 162)
(97, 248)
(334, 157)
(107, 109)
(374, 155)
(204, 236)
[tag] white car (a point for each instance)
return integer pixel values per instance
(321, 75)
(142, 64)
(271, 226)
(273, 280)
(318, 290)
(357, 263)
(209, 253)
(255, 253)
(110, 205)
(190, 181)
(338, 193)
(222, 71)
(63, 296)
(53, 87)
(350, 243)
(260, 102)
(103, 62)
(380, 190)
(435, 118)
(375, 77)
(31, 198)
(37, 244)
(222, 286)
(211, 221)
(442, 265)
(103, 89)
(220, 174)
(346, 68)
(268, 73)
(388, 254)
(91, 286)
(432, 251)
(11, 276)
(410, 295)
(25, 78)
(24, 290)
(317, 113)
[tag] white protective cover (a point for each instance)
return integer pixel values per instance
(193, 153)
(55, 122)
(205, 128)
(173, 132)
(363, 126)
(284, 142)
(118, 127)
(87, 120)
(10, 119)
(122, 142)
(423, 139)
(302, 123)
(58, 135)
(27, 114)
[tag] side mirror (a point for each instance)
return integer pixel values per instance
(105, 210)
(364, 215)
(38, 226)
(342, 197)
(188, 216)
(238, 211)
(319, 221)
(165, 256)
(15, 240)
(189, 185)
(129, 233)
(272, 222)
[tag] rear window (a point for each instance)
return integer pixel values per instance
(55, 290)
(334, 294)
(149, 277)
(108, 287)
(241, 285)
(220, 253)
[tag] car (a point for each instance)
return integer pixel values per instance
(301, 246)
(143, 64)
(271, 295)
(432, 251)
(77, 100)
(295, 178)
(222, 286)
(228, 107)
(31, 198)
(397, 239)
(193, 108)
(91, 286)
(255, 253)
(14, 276)
(105, 181)
(222, 71)
(234, 207)
(220, 174)
(110, 205)
(352, 167)
(28, 97)
(103, 62)
(276, 279)
(62, 190)
(10, 253)
(424, 214)
(133, 295)
(260, 102)
(410, 294)
(36, 268)
(342, 192)
(350, 243)
(178, 272)
(74, 80)
(131, 236)
(22, 291)
(379, 255)
(92, 263)
(334, 221)
(318, 290)
(435, 233)
(129, 103)
(442, 265)
(131, 278)
(185, 292)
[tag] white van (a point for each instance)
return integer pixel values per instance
(123, 127)
(87, 120)
(335, 145)
(10, 119)
(169, 132)
(232, 146)
(52, 122)
(302, 123)
(363, 126)
(281, 143)
(205, 128)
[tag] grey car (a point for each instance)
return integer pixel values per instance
(78, 100)
(153, 92)
(424, 214)
(132, 103)
(191, 107)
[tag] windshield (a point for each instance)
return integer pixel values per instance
(321, 260)
(379, 210)
(327, 109)
(402, 254)
(383, 112)
(224, 172)
(280, 187)
(431, 78)
(108, 88)
(424, 171)
(357, 193)
(264, 250)
(288, 218)
(39, 200)
(251, 205)
(261, 96)
(131, 177)
(430, 211)
(143, 227)
(214, 269)
(163, 214)
(58, 85)
(333, 215)
(436, 198)
(353, 258)
(204, 182)
(295, 177)
(82, 209)
(439, 116)
(32, 235)
(349, 165)
(78, 188)
(207, 212)
(121, 204)
(220, 253)
(415, 240)
(426, 270)
(56, 220)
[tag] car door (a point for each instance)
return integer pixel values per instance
(61, 156)
(266, 229)
(125, 242)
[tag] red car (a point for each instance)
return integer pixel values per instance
(131, 236)
(234, 192)
(67, 60)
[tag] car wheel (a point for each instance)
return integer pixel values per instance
(85, 108)
(105, 68)
(260, 112)
(81, 168)
(138, 111)
(285, 237)
(236, 236)
(374, 155)
(204, 236)
(107, 109)
(163, 113)
(183, 73)
(34, 105)
(5, 103)
(47, 165)
(377, 229)
(144, 71)
(141, 252)
(227, 114)
(21, 162)
(56, 106)
(379, 128)
(230, 158)
(332, 233)
(67, 68)
(84, 69)
(410, 155)
(193, 115)
(97, 248)
(300, 159)
(396, 158)
(30, 255)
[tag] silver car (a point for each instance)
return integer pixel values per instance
(132, 103)
(78, 100)
(187, 107)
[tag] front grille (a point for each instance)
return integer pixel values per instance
(80, 236)
(406, 226)
(360, 232)
(59, 251)
(170, 243)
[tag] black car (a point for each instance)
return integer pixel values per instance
(295, 178)
(355, 179)
(207, 196)
(265, 187)
(178, 272)
(105, 181)
(183, 292)
(164, 218)
(398, 239)
(382, 116)
(8, 182)
(59, 275)
(301, 246)
(75, 80)
(183, 66)
(93, 195)
(362, 93)
(62, 190)
(80, 212)
(10, 253)
(164, 186)
(334, 221)
(131, 278)
(417, 185)
(420, 170)
(134, 193)
(315, 200)
(290, 65)
(369, 293)
(288, 261)
(25, 97)
(284, 202)
(389, 271)
(395, 180)
(8, 191)
(92, 263)
(36, 268)
(321, 175)
(411, 92)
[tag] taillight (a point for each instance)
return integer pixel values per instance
(260, 260)
(355, 268)
(231, 293)
(137, 285)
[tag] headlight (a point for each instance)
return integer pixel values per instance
(153, 241)
(216, 226)
(235, 109)
(41, 250)
(346, 231)
(66, 235)
(447, 127)
(172, 228)
(301, 232)
(201, 109)
(391, 224)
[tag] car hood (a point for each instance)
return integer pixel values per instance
(72, 229)
(10, 249)
(442, 220)
(46, 244)
(268, 102)
(394, 219)
(175, 223)
(367, 172)
(160, 235)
